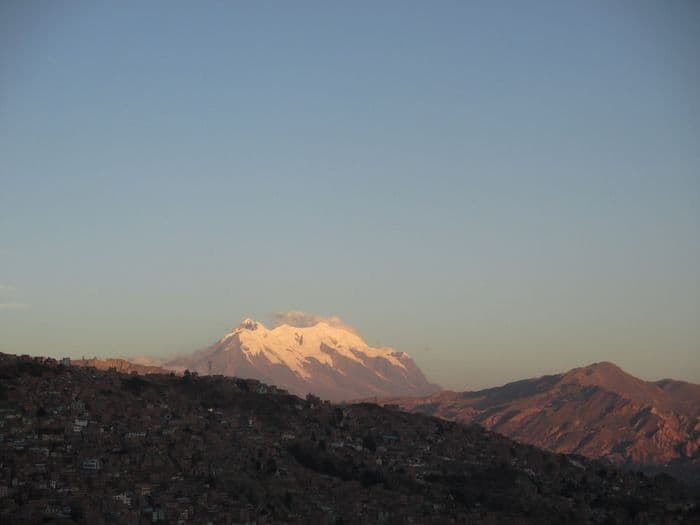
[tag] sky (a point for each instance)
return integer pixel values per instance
(500, 189)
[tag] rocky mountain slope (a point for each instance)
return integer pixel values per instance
(81, 445)
(598, 411)
(330, 361)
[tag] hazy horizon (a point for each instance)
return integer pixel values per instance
(334, 321)
(501, 191)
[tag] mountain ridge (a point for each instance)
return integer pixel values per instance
(120, 365)
(598, 411)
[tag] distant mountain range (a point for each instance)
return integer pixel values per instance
(598, 411)
(120, 365)
(332, 362)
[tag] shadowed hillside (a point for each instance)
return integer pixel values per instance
(598, 411)
(87, 446)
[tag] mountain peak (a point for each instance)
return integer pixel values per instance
(597, 373)
(611, 378)
(250, 324)
(607, 366)
(313, 354)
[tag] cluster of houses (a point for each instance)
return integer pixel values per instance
(90, 446)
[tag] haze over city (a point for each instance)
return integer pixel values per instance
(499, 192)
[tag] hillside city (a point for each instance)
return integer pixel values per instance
(81, 445)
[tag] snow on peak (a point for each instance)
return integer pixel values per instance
(310, 353)
(294, 346)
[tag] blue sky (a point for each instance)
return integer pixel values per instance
(502, 190)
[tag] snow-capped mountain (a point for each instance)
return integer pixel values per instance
(329, 361)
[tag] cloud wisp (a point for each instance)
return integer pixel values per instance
(7, 294)
(14, 306)
(301, 319)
